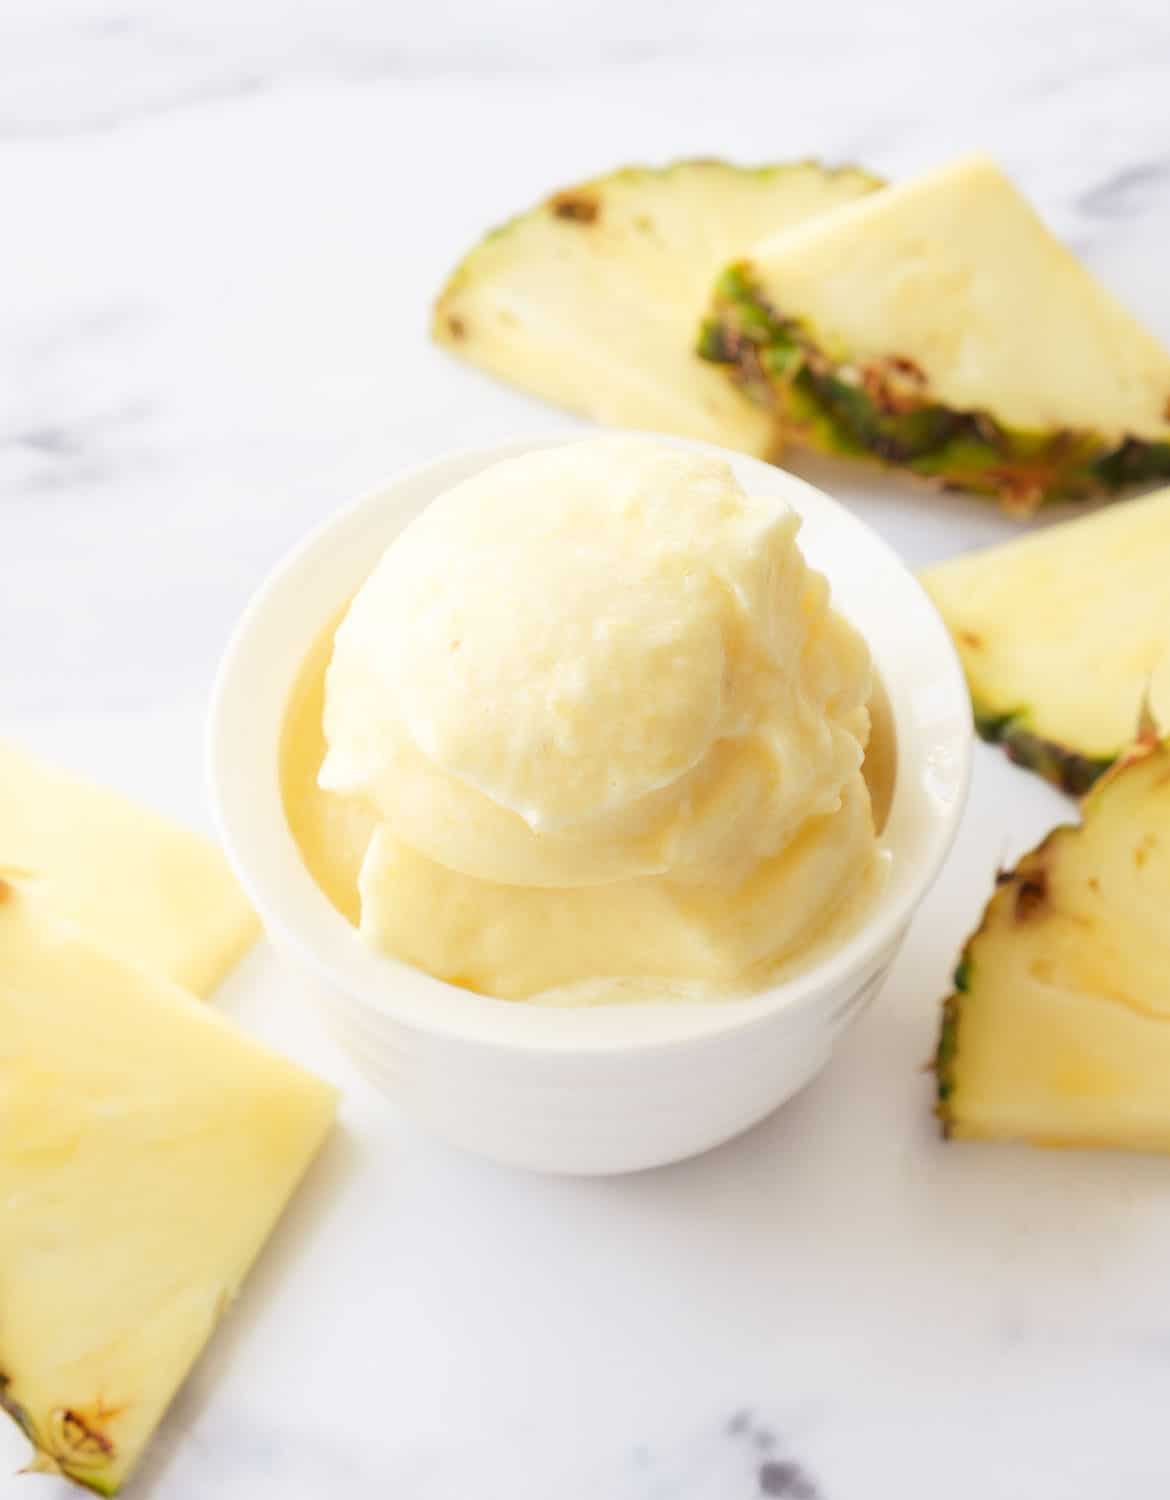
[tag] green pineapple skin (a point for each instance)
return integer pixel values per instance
(1027, 881)
(947, 1049)
(1067, 770)
(944, 1059)
(826, 404)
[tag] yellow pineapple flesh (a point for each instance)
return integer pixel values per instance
(592, 300)
(1063, 634)
(146, 1151)
(134, 881)
(1058, 1032)
(939, 326)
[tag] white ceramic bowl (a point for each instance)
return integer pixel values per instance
(614, 1088)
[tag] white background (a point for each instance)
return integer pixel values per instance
(220, 228)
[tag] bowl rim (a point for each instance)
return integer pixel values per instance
(246, 716)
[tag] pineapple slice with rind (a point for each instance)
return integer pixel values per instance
(939, 327)
(592, 300)
(1058, 1032)
(146, 1151)
(130, 878)
(1062, 633)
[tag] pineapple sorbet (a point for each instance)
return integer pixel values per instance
(591, 731)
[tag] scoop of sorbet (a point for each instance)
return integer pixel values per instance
(605, 716)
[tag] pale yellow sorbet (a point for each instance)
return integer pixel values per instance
(608, 727)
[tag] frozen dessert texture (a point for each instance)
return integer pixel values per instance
(608, 725)
(573, 943)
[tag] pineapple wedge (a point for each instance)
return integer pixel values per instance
(134, 881)
(1059, 1031)
(146, 1151)
(939, 327)
(1062, 635)
(592, 300)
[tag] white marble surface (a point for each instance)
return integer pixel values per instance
(222, 225)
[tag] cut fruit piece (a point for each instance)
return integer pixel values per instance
(135, 882)
(1059, 1030)
(939, 327)
(592, 300)
(146, 1150)
(1063, 634)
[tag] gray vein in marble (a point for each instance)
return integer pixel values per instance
(84, 324)
(102, 27)
(743, 1424)
(741, 1459)
(786, 1481)
(131, 61)
(1128, 190)
(57, 455)
(99, 119)
(61, 433)
(779, 1478)
(53, 441)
